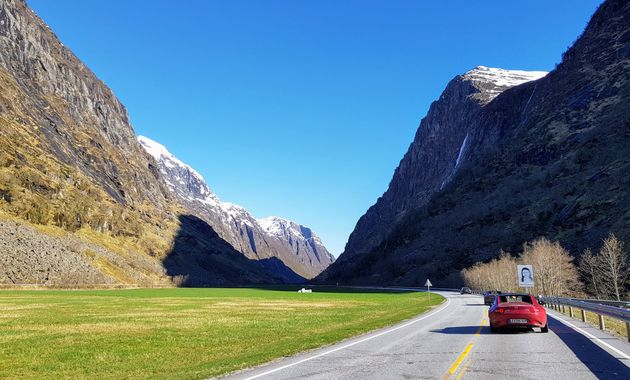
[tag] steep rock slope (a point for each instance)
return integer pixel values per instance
(436, 152)
(294, 245)
(68, 156)
(71, 167)
(547, 157)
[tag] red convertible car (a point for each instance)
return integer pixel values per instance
(517, 310)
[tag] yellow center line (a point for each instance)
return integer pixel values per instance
(464, 369)
(463, 356)
(459, 360)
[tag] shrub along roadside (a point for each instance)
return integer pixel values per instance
(606, 275)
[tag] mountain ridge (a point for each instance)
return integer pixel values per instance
(544, 158)
(71, 170)
(301, 250)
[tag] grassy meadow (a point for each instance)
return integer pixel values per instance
(180, 333)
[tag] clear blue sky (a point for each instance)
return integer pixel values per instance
(300, 109)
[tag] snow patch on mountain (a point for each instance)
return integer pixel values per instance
(502, 79)
(160, 153)
(234, 222)
(281, 227)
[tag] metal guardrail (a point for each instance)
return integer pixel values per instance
(623, 304)
(612, 309)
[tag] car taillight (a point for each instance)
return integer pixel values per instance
(501, 310)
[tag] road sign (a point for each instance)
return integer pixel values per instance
(428, 283)
(525, 275)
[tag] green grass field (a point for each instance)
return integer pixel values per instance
(180, 333)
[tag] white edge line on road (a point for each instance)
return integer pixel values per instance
(448, 301)
(591, 336)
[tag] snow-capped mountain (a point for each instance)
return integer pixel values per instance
(298, 237)
(295, 245)
(493, 81)
(445, 141)
(504, 157)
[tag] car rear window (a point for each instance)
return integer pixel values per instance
(517, 298)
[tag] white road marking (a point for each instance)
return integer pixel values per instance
(448, 301)
(591, 336)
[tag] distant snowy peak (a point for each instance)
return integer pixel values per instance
(160, 153)
(181, 177)
(190, 186)
(281, 227)
(503, 77)
(496, 80)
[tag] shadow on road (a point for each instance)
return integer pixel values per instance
(463, 330)
(599, 361)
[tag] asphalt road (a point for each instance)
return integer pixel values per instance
(454, 341)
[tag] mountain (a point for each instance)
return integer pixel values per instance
(293, 244)
(70, 164)
(297, 242)
(81, 202)
(504, 157)
(436, 153)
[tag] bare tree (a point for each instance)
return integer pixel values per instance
(613, 262)
(591, 270)
(554, 271)
(497, 274)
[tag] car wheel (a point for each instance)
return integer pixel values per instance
(545, 328)
(494, 329)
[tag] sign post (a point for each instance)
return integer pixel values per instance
(525, 275)
(428, 284)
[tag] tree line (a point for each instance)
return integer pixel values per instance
(603, 275)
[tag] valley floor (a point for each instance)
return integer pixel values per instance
(180, 333)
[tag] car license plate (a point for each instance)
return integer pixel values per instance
(518, 321)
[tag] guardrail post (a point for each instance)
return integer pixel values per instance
(602, 325)
(628, 330)
(563, 309)
(571, 311)
(583, 315)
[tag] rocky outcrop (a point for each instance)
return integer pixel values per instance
(294, 245)
(491, 168)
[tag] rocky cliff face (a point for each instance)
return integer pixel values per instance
(502, 158)
(68, 156)
(81, 202)
(436, 153)
(50, 91)
(294, 245)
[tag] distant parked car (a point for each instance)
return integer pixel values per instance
(465, 290)
(511, 310)
(488, 297)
